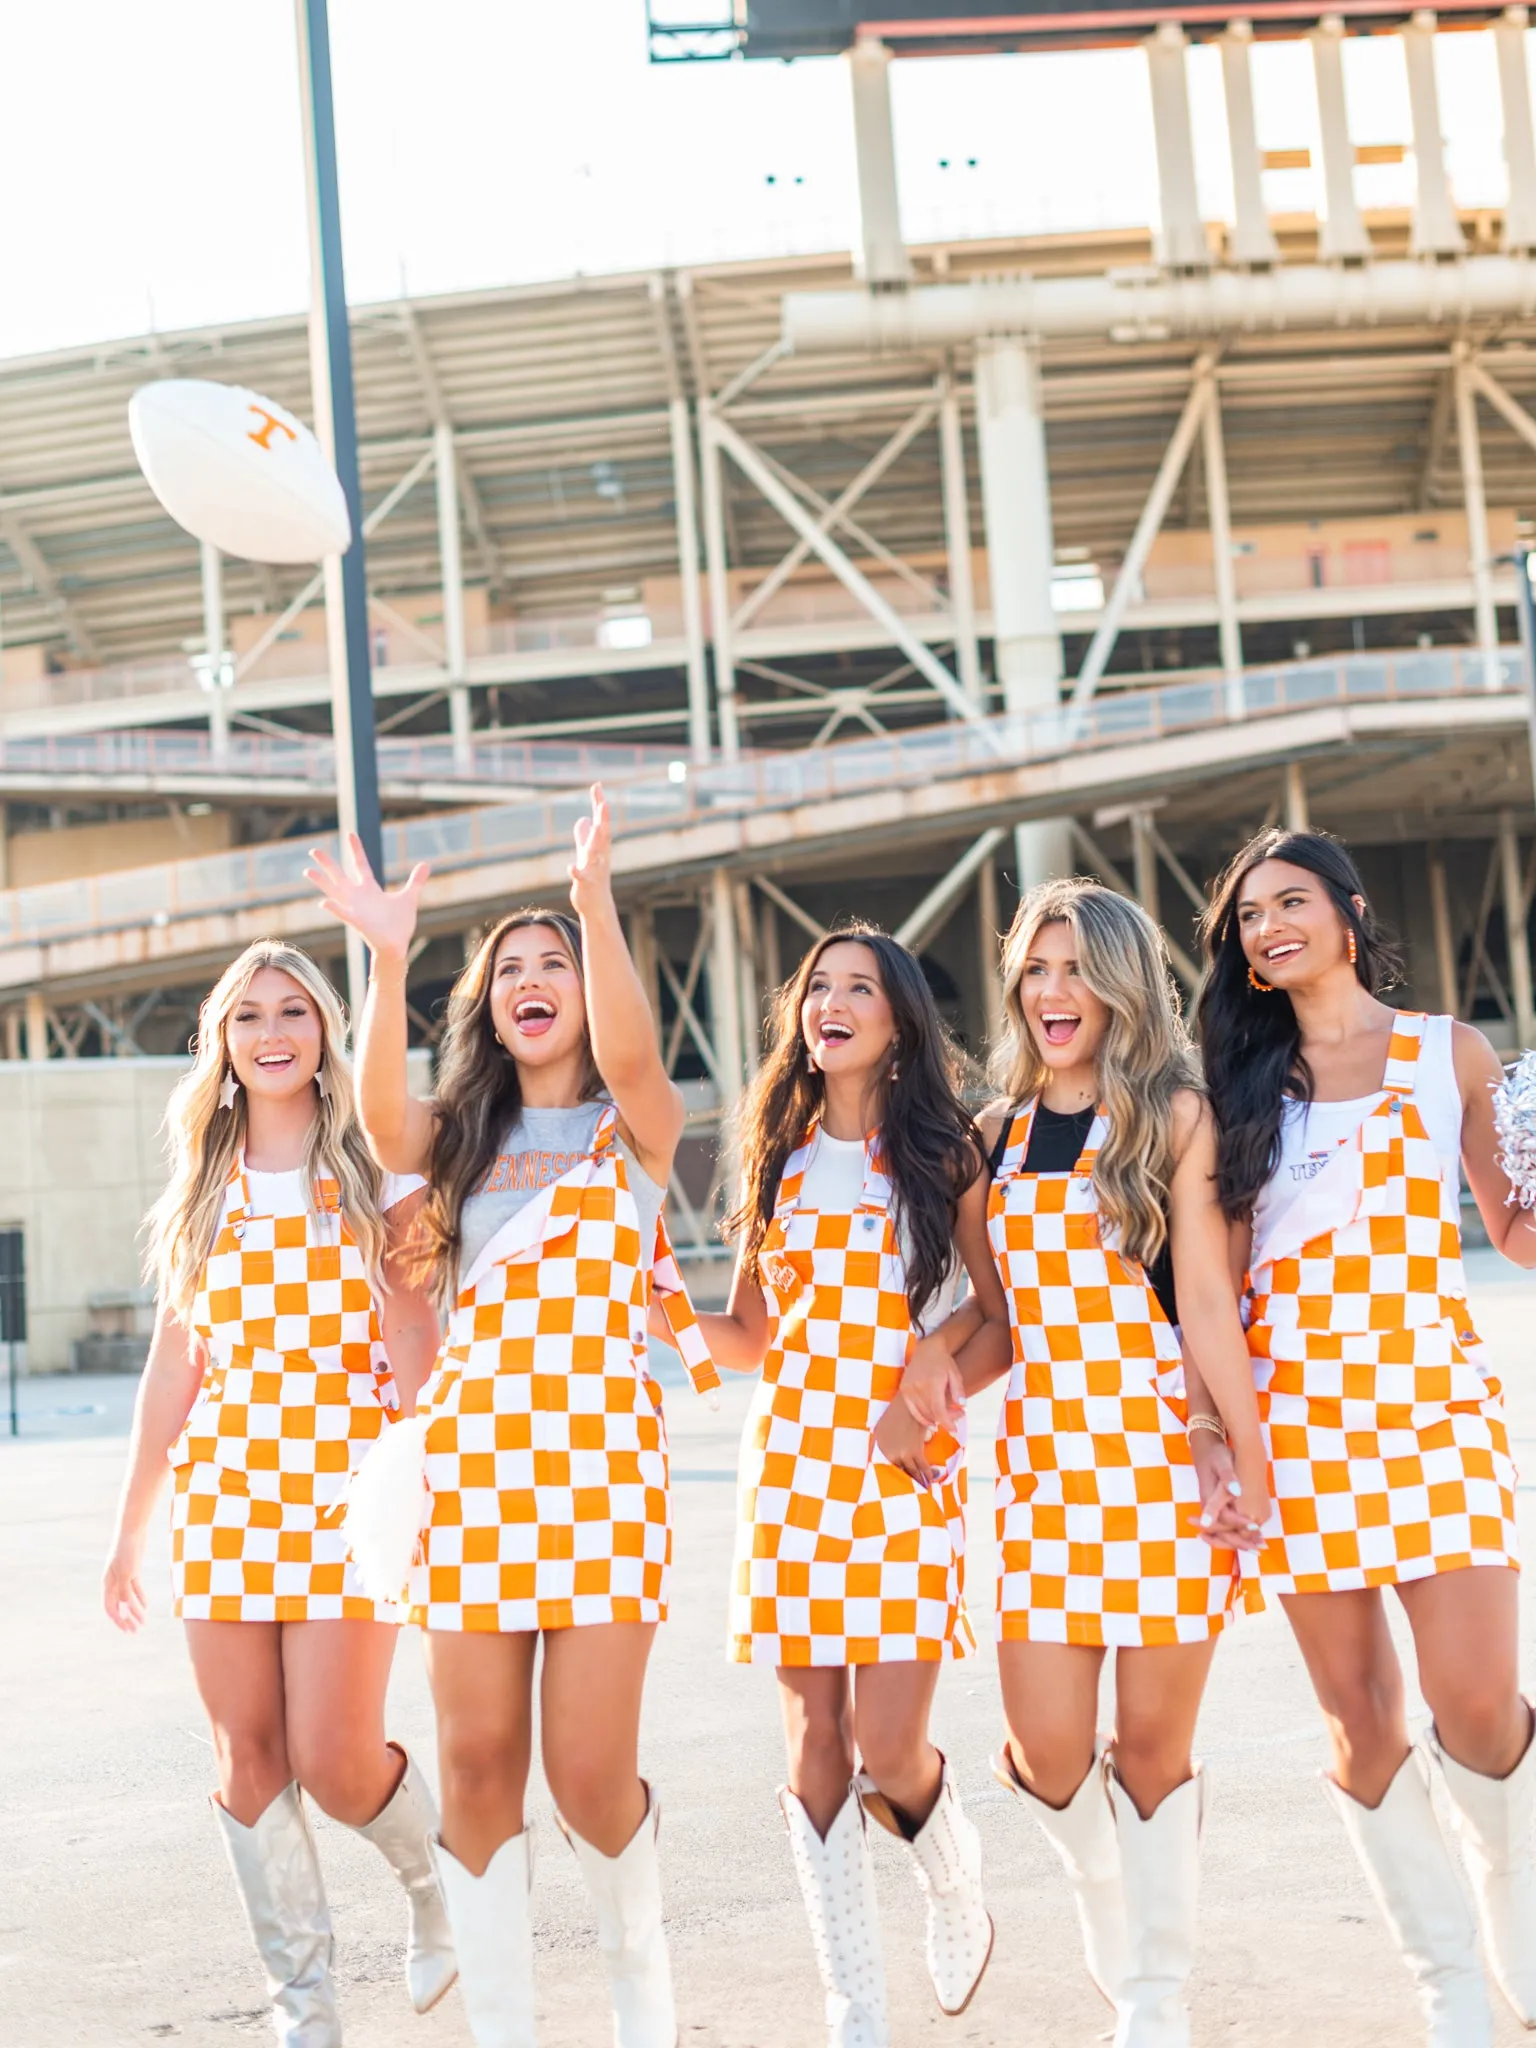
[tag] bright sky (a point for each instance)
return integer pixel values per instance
(151, 150)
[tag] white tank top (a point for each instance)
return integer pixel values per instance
(834, 1183)
(1311, 1132)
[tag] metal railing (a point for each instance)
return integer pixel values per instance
(273, 874)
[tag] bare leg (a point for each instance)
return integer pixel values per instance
(1157, 1703)
(1051, 1704)
(482, 1687)
(891, 1705)
(239, 1673)
(590, 1701)
(817, 1705)
(335, 1677)
(1344, 1640)
(1466, 1630)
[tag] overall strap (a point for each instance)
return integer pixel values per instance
(671, 1292)
(794, 1172)
(1403, 1052)
(1093, 1145)
(1013, 1140)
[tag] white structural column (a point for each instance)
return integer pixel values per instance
(882, 260)
(713, 466)
(1519, 136)
(1343, 238)
(725, 985)
(1217, 497)
(1515, 930)
(1016, 509)
(37, 1025)
(989, 952)
(215, 653)
(685, 500)
(1485, 613)
(1436, 230)
(1180, 241)
(957, 539)
(450, 556)
(1297, 816)
(1144, 863)
(1445, 938)
(1253, 239)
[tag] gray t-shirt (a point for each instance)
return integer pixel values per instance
(542, 1146)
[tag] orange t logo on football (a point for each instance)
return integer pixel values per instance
(262, 436)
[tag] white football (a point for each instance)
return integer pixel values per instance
(238, 470)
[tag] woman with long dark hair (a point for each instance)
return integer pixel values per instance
(861, 1180)
(1107, 1237)
(547, 1149)
(1343, 1125)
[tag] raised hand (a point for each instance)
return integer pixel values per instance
(591, 870)
(384, 918)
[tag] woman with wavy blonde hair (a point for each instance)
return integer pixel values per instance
(1106, 1230)
(286, 1340)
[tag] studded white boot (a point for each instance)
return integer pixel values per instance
(1160, 1863)
(1083, 1835)
(626, 1893)
(1496, 1820)
(946, 1855)
(1423, 1901)
(400, 1834)
(837, 1883)
(493, 1936)
(278, 1873)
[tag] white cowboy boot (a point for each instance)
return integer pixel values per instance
(1084, 1836)
(493, 1938)
(1423, 1901)
(278, 1873)
(837, 1882)
(1494, 1818)
(1160, 1865)
(946, 1854)
(400, 1835)
(626, 1890)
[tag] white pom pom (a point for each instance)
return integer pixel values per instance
(1514, 1118)
(387, 1506)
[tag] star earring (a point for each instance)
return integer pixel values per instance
(229, 1088)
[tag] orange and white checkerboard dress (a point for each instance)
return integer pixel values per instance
(296, 1388)
(1389, 1453)
(1096, 1491)
(546, 1449)
(840, 1557)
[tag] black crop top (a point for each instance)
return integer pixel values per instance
(1056, 1141)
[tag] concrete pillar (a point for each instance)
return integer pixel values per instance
(13, 1034)
(1215, 453)
(1445, 937)
(1436, 230)
(768, 951)
(1469, 447)
(1515, 931)
(989, 952)
(1519, 137)
(1343, 237)
(1297, 816)
(37, 1025)
(641, 931)
(713, 464)
(1016, 509)
(215, 654)
(1180, 240)
(685, 499)
(749, 980)
(1253, 239)
(957, 540)
(450, 557)
(725, 986)
(881, 260)
(1144, 858)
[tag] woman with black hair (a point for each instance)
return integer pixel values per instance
(1342, 1124)
(861, 1176)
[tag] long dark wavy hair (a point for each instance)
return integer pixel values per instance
(478, 1092)
(1250, 1042)
(929, 1146)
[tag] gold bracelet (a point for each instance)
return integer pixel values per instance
(1213, 1423)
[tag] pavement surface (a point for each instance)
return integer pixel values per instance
(119, 1924)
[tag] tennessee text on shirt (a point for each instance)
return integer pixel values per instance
(518, 1170)
(1310, 1167)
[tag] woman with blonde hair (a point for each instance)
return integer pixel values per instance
(1107, 1234)
(547, 1148)
(286, 1340)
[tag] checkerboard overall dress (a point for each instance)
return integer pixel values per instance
(296, 1388)
(840, 1557)
(1096, 1491)
(546, 1451)
(1389, 1453)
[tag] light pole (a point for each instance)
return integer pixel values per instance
(1525, 615)
(330, 365)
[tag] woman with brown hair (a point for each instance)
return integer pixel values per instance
(287, 1339)
(861, 1201)
(547, 1149)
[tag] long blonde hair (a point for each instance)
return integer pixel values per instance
(1143, 1062)
(206, 1138)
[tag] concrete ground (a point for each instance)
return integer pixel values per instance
(119, 1923)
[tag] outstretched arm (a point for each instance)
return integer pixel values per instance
(973, 1346)
(738, 1339)
(407, 1314)
(398, 1127)
(623, 1031)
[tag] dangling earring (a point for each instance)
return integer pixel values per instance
(1265, 988)
(320, 1088)
(895, 1067)
(810, 1063)
(1354, 950)
(229, 1088)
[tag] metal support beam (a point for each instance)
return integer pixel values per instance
(791, 909)
(1436, 230)
(1213, 443)
(957, 539)
(1484, 611)
(218, 671)
(1180, 240)
(1253, 239)
(881, 261)
(769, 951)
(1101, 866)
(1297, 816)
(37, 1025)
(725, 987)
(1519, 137)
(438, 413)
(451, 563)
(1441, 413)
(641, 928)
(989, 952)
(934, 910)
(716, 557)
(1343, 238)
(1144, 863)
(1445, 937)
(687, 520)
(35, 567)
(1516, 934)
(750, 997)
